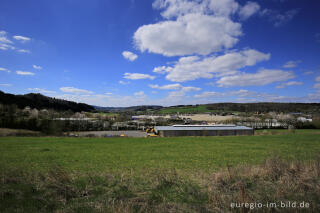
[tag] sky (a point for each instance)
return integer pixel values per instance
(161, 52)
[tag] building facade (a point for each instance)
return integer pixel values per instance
(202, 130)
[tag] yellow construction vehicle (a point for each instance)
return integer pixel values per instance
(150, 132)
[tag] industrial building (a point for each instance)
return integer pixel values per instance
(202, 130)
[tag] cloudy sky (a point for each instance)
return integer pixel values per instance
(164, 52)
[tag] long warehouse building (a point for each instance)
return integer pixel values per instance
(202, 130)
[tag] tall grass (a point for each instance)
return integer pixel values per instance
(58, 190)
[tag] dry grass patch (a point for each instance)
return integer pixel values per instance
(275, 180)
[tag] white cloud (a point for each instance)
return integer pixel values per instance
(317, 78)
(19, 72)
(39, 90)
(189, 34)
(291, 64)
(21, 38)
(138, 76)
(161, 69)
(5, 43)
(24, 51)
(166, 87)
(242, 96)
(182, 92)
(5, 85)
(261, 78)
(4, 69)
(129, 55)
(192, 67)
(6, 47)
(37, 67)
(207, 95)
(4, 38)
(75, 90)
(290, 83)
(139, 94)
(124, 82)
(108, 93)
(278, 18)
(248, 10)
(176, 8)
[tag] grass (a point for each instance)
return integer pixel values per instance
(273, 181)
(188, 109)
(186, 154)
(187, 174)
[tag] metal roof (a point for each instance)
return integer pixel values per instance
(199, 127)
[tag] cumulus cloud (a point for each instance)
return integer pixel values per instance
(37, 67)
(4, 70)
(75, 90)
(189, 34)
(317, 78)
(261, 78)
(193, 67)
(176, 8)
(21, 38)
(39, 90)
(129, 55)
(19, 72)
(248, 10)
(193, 27)
(291, 64)
(161, 69)
(290, 83)
(138, 76)
(182, 92)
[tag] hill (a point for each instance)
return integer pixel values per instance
(244, 107)
(128, 109)
(38, 101)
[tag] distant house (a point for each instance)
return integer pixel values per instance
(304, 119)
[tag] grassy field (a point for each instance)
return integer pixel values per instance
(191, 174)
(188, 109)
(191, 154)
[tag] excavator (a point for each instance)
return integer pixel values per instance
(151, 133)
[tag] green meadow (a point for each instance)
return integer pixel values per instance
(186, 174)
(191, 154)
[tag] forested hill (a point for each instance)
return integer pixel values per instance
(39, 101)
(266, 107)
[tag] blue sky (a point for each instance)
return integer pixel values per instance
(163, 52)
